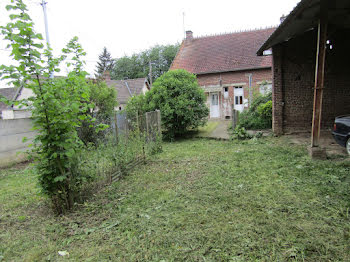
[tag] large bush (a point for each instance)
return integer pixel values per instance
(259, 115)
(179, 98)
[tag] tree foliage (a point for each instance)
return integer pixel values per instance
(58, 106)
(104, 100)
(179, 98)
(106, 62)
(138, 65)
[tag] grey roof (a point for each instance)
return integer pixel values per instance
(9, 93)
(127, 88)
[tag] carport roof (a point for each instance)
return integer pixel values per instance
(305, 17)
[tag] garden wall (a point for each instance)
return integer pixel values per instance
(12, 132)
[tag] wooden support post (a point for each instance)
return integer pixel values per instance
(137, 122)
(147, 126)
(319, 75)
(234, 117)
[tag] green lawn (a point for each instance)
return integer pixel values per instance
(199, 200)
(206, 130)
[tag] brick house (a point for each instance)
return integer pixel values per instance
(227, 68)
(311, 79)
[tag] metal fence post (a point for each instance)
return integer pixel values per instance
(116, 127)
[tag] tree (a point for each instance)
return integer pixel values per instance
(138, 65)
(58, 107)
(106, 62)
(181, 102)
(104, 100)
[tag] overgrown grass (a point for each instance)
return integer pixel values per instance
(199, 200)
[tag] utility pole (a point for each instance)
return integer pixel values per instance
(43, 4)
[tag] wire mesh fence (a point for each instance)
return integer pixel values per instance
(127, 142)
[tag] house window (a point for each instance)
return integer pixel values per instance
(239, 100)
(225, 92)
(265, 89)
(120, 108)
(214, 100)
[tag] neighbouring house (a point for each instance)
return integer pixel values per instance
(311, 79)
(13, 111)
(227, 68)
(127, 88)
(9, 93)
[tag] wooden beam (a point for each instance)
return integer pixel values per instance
(319, 74)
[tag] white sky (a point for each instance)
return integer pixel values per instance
(129, 26)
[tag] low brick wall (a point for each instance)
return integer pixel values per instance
(12, 132)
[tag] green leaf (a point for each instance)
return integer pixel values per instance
(59, 178)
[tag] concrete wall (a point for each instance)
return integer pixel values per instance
(12, 132)
(294, 77)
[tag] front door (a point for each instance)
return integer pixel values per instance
(239, 98)
(214, 105)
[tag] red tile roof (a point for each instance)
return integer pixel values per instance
(223, 53)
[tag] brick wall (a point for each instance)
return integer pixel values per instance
(294, 77)
(235, 77)
(231, 78)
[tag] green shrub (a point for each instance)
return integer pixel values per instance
(265, 110)
(136, 105)
(259, 115)
(240, 133)
(180, 100)
(103, 99)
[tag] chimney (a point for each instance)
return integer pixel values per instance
(282, 18)
(189, 35)
(106, 75)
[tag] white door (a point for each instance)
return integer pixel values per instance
(239, 98)
(214, 105)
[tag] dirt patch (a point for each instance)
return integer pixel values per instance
(326, 141)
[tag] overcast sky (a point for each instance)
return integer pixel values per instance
(129, 26)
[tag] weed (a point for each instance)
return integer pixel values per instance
(198, 200)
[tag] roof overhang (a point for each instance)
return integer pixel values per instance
(305, 17)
